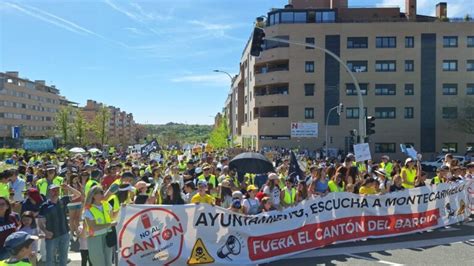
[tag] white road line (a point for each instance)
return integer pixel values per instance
(324, 252)
(374, 259)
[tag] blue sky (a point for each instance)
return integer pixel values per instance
(151, 58)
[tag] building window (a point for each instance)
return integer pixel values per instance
(450, 89)
(309, 66)
(409, 89)
(325, 16)
(470, 41)
(385, 89)
(385, 66)
(353, 112)
(470, 65)
(351, 89)
(309, 113)
(310, 40)
(385, 112)
(385, 147)
(450, 41)
(451, 147)
(386, 42)
(450, 112)
(450, 65)
(409, 112)
(409, 65)
(470, 89)
(357, 42)
(357, 66)
(309, 89)
(409, 42)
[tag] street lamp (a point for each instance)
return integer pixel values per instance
(340, 109)
(232, 102)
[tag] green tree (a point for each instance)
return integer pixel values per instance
(101, 124)
(63, 123)
(80, 127)
(219, 135)
(465, 118)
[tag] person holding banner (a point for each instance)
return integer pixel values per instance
(288, 193)
(251, 203)
(368, 187)
(336, 184)
(397, 184)
(272, 189)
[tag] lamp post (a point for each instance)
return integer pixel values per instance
(339, 109)
(232, 105)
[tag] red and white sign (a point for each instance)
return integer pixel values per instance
(199, 234)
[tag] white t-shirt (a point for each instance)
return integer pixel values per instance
(249, 203)
(274, 195)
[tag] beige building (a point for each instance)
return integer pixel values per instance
(414, 71)
(121, 126)
(30, 105)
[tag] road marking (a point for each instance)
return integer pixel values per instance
(325, 252)
(374, 259)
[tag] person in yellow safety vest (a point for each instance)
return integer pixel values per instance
(5, 183)
(98, 216)
(441, 175)
(95, 176)
(182, 165)
(408, 174)
(19, 248)
(288, 193)
(387, 166)
(126, 191)
(336, 184)
(249, 178)
(211, 180)
(49, 179)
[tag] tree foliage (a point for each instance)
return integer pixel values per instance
(101, 124)
(80, 127)
(173, 133)
(465, 119)
(219, 135)
(63, 123)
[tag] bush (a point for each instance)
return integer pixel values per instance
(6, 153)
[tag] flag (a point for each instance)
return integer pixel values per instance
(294, 171)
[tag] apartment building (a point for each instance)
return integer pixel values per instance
(29, 105)
(121, 126)
(414, 71)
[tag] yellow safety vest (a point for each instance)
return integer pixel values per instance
(249, 179)
(5, 190)
(410, 176)
(437, 180)
(333, 187)
(90, 183)
(116, 203)
(388, 169)
(42, 184)
(290, 197)
(100, 217)
(18, 263)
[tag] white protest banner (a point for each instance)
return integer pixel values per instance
(362, 152)
(199, 234)
(304, 130)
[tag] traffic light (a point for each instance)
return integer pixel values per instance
(340, 109)
(257, 38)
(369, 125)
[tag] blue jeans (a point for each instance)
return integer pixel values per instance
(61, 244)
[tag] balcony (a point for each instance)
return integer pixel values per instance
(271, 112)
(271, 95)
(274, 54)
(272, 72)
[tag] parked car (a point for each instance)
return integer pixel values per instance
(431, 166)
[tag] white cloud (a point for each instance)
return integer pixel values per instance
(58, 21)
(216, 79)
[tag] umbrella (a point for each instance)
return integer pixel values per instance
(251, 162)
(77, 150)
(93, 150)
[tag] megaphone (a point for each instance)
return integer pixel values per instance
(231, 246)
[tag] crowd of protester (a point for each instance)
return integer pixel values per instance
(59, 199)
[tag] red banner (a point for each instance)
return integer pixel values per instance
(350, 228)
